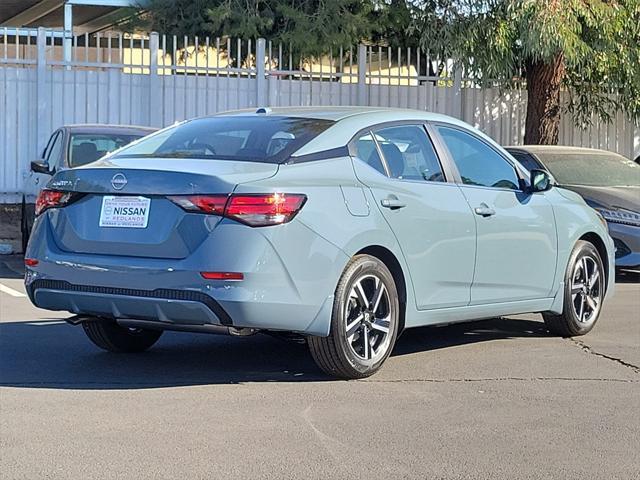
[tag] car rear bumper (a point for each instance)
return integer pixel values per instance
(170, 307)
(627, 242)
(289, 272)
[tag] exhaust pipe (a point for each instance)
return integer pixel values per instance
(78, 319)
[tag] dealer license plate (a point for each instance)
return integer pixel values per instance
(125, 212)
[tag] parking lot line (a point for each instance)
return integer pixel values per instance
(11, 291)
(46, 323)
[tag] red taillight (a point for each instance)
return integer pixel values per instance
(256, 210)
(213, 204)
(31, 262)
(47, 199)
(263, 210)
(53, 199)
(222, 275)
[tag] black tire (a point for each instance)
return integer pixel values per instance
(569, 323)
(110, 336)
(24, 225)
(335, 354)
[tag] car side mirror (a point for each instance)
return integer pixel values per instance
(541, 181)
(40, 166)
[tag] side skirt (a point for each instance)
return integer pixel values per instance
(479, 312)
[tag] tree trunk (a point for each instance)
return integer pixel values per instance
(543, 102)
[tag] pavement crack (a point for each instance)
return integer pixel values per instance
(329, 443)
(143, 385)
(587, 349)
(500, 379)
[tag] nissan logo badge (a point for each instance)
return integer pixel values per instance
(118, 181)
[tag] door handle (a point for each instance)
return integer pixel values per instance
(392, 202)
(484, 210)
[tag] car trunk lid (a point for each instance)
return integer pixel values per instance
(167, 231)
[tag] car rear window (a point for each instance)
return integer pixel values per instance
(267, 139)
(87, 147)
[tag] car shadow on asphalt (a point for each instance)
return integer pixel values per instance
(628, 276)
(53, 354)
(433, 338)
(11, 266)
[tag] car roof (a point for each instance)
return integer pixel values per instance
(102, 128)
(331, 113)
(349, 121)
(559, 149)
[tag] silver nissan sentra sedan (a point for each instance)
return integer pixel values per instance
(341, 225)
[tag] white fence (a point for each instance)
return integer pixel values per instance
(158, 80)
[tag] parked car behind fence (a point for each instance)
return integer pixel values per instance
(71, 146)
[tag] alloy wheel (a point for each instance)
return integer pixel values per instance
(367, 318)
(586, 289)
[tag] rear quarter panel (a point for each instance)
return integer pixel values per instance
(326, 213)
(325, 182)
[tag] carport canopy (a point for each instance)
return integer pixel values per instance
(74, 16)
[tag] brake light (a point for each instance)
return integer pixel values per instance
(213, 204)
(53, 199)
(255, 210)
(263, 210)
(222, 275)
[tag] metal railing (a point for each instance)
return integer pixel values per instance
(156, 80)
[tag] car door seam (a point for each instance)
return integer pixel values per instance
(555, 226)
(475, 256)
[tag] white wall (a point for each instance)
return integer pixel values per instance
(36, 98)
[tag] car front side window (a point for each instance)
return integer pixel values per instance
(47, 149)
(526, 160)
(53, 157)
(477, 162)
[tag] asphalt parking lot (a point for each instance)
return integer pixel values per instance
(493, 399)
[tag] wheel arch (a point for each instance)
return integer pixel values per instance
(387, 257)
(597, 241)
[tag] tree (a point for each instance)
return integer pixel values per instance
(308, 27)
(591, 48)
(391, 22)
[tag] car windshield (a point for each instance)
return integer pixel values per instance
(265, 139)
(87, 147)
(591, 169)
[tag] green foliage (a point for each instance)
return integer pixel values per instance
(610, 63)
(495, 40)
(308, 27)
(392, 23)
(598, 41)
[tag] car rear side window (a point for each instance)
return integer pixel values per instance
(268, 139)
(409, 154)
(477, 162)
(367, 151)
